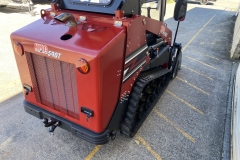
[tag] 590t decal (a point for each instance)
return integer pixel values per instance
(41, 48)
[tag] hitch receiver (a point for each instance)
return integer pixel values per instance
(51, 123)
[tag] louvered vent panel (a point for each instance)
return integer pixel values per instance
(54, 83)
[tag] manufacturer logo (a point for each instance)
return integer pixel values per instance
(41, 48)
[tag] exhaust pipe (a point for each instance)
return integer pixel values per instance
(66, 17)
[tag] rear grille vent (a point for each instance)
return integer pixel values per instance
(54, 84)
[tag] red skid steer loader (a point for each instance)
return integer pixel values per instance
(94, 67)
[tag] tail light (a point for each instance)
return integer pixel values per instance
(83, 66)
(18, 48)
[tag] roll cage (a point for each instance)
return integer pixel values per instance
(130, 7)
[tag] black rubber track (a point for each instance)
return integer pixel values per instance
(129, 126)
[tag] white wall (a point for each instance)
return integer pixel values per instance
(235, 51)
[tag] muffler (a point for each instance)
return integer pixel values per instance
(66, 17)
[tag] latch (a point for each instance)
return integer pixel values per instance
(27, 88)
(88, 112)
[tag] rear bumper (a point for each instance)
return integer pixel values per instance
(95, 138)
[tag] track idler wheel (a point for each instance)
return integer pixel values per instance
(141, 110)
(148, 102)
(159, 88)
(177, 65)
(175, 71)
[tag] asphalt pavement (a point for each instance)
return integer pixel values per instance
(188, 122)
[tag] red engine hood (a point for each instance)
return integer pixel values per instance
(87, 38)
(101, 44)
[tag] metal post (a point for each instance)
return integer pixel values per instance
(176, 33)
(160, 9)
(163, 10)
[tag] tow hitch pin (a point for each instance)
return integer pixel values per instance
(53, 127)
(51, 123)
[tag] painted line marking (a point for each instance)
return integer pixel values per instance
(96, 149)
(148, 147)
(206, 55)
(197, 72)
(6, 142)
(183, 101)
(93, 152)
(193, 86)
(197, 33)
(3, 147)
(201, 62)
(175, 126)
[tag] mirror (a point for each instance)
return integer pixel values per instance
(180, 10)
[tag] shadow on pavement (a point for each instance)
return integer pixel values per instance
(15, 9)
(10, 99)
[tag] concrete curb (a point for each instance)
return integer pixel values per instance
(227, 129)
